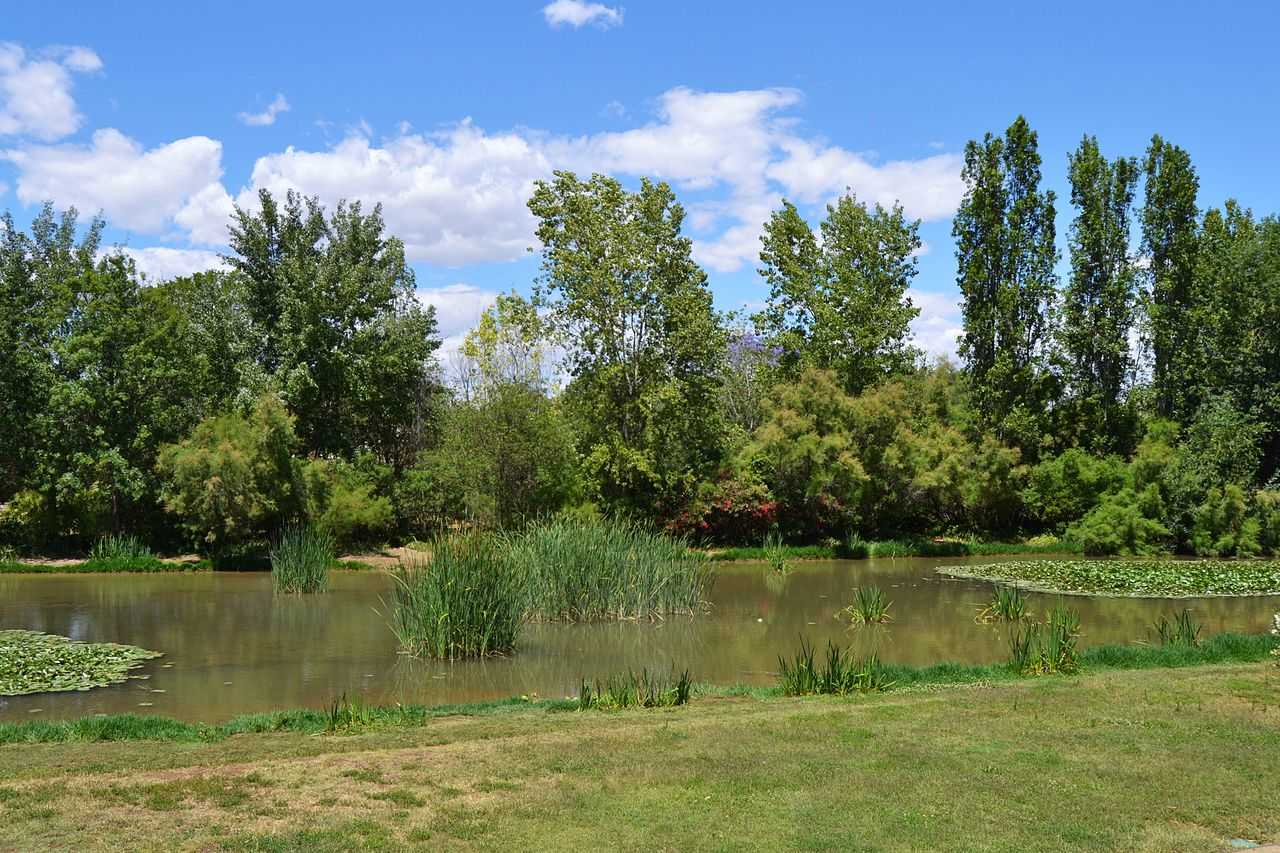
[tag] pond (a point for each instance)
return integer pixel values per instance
(232, 647)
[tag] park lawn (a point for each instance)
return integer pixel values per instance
(1155, 760)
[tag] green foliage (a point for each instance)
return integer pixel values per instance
(841, 305)
(1098, 303)
(25, 521)
(341, 500)
(1267, 504)
(645, 346)
(1182, 630)
(1064, 488)
(1223, 528)
(840, 673)
(608, 570)
(1008, 604)
(1155, 578)
(775, 553)
(631, 690)
(119, 548)
(1126, 522)
(870, 607)
(235, 477)
(300, 559)
(31, 662)
(1004, 232)
(1048, 647)
(466, 600)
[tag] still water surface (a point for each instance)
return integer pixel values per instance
(231, 646)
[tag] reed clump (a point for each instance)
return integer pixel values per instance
(600, 569)
(870, 607)
(1181, 630)
(465, 600)
(839, 673)
(636, 690)
(1008, 604)
(1048, 647)
(300, 559)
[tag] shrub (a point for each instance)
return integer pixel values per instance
(735, 508)
(464, 601)
(1066, 487)
(234, 478)
(1124, 523)
(300, 559)
(609, 570)
(1267, 503)
(1222, 527)
(341, 501)
(26, 521)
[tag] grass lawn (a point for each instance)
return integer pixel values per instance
(1158, 760)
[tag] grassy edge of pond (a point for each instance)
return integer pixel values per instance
(917, 770)
(1130, 578)
(137, 567)
(352, 716)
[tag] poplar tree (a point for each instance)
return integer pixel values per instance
(1169, 242)
(1099, 300)
(1004, 232)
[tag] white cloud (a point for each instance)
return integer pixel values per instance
(267, 116)
(458, 306)
(135, 188)
(160, 263)
(576, 13)
(455, 197)
(35, 94)
(938, 327)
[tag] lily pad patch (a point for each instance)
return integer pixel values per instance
(32, 662)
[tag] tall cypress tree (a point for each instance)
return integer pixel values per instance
(1004, 233)
(1099, 300)
(1169, 241)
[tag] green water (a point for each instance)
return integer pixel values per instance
(231, 646)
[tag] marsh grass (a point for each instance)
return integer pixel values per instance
(1048, 647)
(870, 607)
(120, 548)
(300, 559)
(1181, 630)
(1008, 604)
(632, 690)
(839, 673)
(775, 553)
(465, 600)
(596, 570)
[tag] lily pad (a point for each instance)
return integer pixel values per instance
(32, 662)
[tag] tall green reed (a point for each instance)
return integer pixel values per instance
(465, 600)
(632, 690)
(870, 606)
(120, 548)
(1008, 604)
(1048, 647)
(300, 559)
(839, 673)
(594, 570)
(1182, 630)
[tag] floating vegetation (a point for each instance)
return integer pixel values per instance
(1049, 647)
(300, 559)
(32, 662)
(1157, 578)
(465, 600)
(587, 571)
(839, 674)
(1181, 630)
(632, 690)
(870, 607)
(1007, 605)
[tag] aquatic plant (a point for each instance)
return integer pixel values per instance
(32, 662)
(1007, 605)
(870, 606)
(585, 571)
(839, 674)
(632, 690)
(1182, 630)
(1133, 577)
(120, 548)
(344, 713)
(1275, 629)
(465, 600)
(1048, 647)
(300, 559)
(775, 553)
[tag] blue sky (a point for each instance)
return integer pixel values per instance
(164, 115)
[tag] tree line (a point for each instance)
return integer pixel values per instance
(1130, 407)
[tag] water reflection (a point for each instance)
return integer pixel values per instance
(231, 646)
